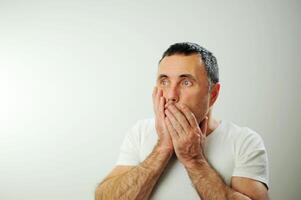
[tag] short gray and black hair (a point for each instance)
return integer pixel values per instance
(188, 48)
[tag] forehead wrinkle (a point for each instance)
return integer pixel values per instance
(175, 65)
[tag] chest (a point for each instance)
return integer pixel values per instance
(175, 182)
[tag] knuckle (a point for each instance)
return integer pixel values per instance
(184, 107)
(196, 130)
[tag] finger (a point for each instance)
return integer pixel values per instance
(158, 96)
(204, 125)
(157, 99)
(168, 103)
(173, 133)
(189, 116)
(175, 124)
(180, 118)
(161, 107)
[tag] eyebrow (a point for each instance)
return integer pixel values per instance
(181, 76)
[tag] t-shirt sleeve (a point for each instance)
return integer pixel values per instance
(251, 157)
(129, 150)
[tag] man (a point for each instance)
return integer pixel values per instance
(195, 155)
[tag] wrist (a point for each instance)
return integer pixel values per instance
(195, 163)
(162, 148)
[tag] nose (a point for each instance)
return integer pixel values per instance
(172, 94)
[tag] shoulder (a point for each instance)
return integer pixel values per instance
(143, 127)
(145, 123)
(241, 134)
(135, 135)
(243, 140)
(250, 154)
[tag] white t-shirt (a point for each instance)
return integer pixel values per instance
(231, 150)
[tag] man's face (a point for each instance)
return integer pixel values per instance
(183, 79)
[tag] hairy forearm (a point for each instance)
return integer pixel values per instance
(209, 184)
(137, 183)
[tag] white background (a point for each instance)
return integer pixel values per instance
(75, 75)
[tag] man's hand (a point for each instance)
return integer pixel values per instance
(187, 136)
(165, 142)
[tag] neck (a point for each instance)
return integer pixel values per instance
(212, 123)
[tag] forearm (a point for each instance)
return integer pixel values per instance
(209, 184)
(138, 182)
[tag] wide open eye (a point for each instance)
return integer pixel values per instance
(164, 82)
(187, 82)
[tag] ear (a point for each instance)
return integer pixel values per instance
(214, 93)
